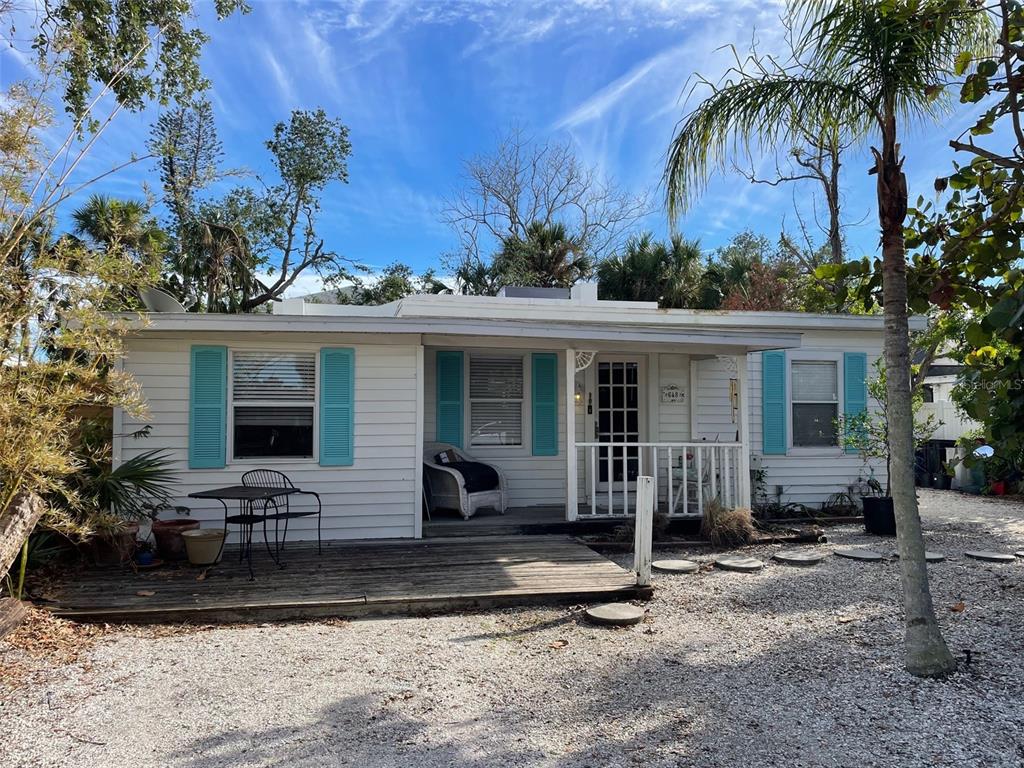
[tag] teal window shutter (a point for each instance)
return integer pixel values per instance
(449, 397)
(337, 406)
(208, 407)
(855, 386)
(545, 404)
(773, 403)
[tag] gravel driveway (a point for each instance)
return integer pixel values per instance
(787, 667)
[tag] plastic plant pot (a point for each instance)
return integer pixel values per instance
(204, 545)
(879, 515)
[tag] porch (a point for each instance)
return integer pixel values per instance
(352, 579)
(570, 430)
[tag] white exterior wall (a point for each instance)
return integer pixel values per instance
(532, 480)
(807, 475)
(376, 497)
(953, 424)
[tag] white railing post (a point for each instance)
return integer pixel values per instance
(743, 416)
(571, 473)
(644, 530)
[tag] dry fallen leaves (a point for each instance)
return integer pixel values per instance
(558, 644)
(145, 593)
(46, 640)
(958, 607)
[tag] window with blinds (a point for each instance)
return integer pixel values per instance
(496, 400)
(273, 397)
(815, 387)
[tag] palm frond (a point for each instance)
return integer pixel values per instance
(856, 66)
(754, 112)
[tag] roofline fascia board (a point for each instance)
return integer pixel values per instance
(222, 323)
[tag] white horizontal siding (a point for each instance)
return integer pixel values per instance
(805, 477)
(532, 480)
(374, 498)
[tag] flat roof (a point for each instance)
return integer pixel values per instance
(580, 317)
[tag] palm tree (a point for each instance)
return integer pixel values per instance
(868, 66)
(648, 270)
(547, 257)
(106, 222)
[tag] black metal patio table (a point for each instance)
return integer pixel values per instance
(248, 497)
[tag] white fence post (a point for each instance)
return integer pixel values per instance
(644, 529)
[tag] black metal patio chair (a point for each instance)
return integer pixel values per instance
(271, 478)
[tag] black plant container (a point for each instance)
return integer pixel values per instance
(879, 515)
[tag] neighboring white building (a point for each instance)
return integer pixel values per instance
(569, 396)
(938, 386)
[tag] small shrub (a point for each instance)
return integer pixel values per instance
(727, 527)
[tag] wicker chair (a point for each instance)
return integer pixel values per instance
(271, 478)
(446, 487)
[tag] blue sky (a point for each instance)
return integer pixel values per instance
(423, 85)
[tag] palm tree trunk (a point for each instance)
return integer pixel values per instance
(926, 651)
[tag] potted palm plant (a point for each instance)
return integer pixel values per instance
(868, 434)
(102, 505)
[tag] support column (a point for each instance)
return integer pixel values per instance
(571, 487)
(417, 491)
(743, 419)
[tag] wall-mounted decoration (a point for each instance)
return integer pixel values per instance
(672, 393)
(734, 398)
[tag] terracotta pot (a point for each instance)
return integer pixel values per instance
(167, 533)
(113, 548)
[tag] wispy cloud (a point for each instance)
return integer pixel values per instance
(282, 78)
(599, 103)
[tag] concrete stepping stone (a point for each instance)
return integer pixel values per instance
(858, 553)
(799, 557)
(741, 564)
(929, 557)
(991, 557)
(615, 614)
(676, 566)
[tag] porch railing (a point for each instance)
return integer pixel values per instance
(687, 477)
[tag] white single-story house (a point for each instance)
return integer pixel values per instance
(570, 397)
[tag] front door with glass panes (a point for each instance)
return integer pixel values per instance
(618, 418)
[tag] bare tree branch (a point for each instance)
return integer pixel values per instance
(525, 181)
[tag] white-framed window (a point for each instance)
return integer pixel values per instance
(496, 396)
(273, 404)
(814, 403)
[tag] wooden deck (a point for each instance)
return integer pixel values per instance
(353, 579)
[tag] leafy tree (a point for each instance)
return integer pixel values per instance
(58, 341)
(649, 270)
(139, 50)
(869, 66)
(868, 432)
(223, 246)
(396, 282)
(728, 272)
(969, 263)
